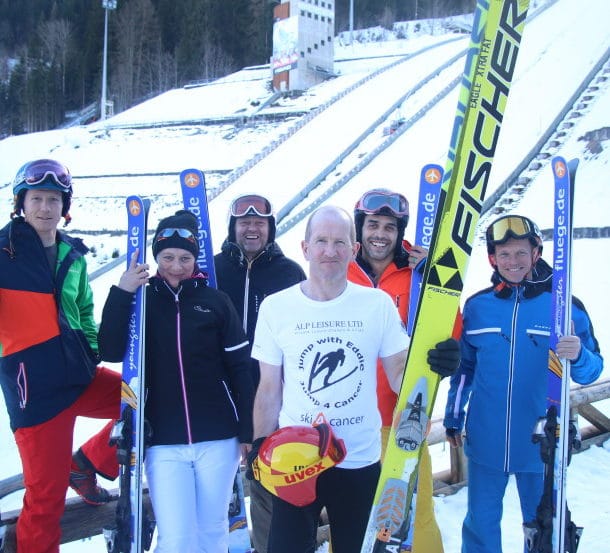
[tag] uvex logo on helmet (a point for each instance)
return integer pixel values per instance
(290, 460)
(301, 474)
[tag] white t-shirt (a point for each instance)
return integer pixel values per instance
(328, 351)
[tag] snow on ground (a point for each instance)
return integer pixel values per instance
(558, 49)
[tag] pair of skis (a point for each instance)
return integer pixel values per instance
(134, 526)
(490, 64)
(553, 530)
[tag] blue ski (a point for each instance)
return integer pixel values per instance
(553, 530)
(561, 320)
(134, 526)
(194, 199)
(430, 181)
(2, 533)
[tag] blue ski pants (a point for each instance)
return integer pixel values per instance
(486, 487)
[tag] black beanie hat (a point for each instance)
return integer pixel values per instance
(182, 219)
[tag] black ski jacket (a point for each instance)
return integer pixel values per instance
(198, 381)
(248, 283)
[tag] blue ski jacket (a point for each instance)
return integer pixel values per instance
(503, 371)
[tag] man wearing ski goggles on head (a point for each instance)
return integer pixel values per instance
(49, 368)
(251, 204)
(250, 267)
(503, 378)
(386, 261)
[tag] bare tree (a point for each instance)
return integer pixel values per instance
(136, 36)
(160, 73)
(215, 61)
(387, 18)
(56, 39)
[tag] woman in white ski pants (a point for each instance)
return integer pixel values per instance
(199, 388)
(185, 498)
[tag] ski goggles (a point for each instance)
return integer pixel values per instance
(374, 201)
(181, 232)
(251, 204)
(512, 226)
(38, 171)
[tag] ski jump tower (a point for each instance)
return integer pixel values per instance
(303, 43)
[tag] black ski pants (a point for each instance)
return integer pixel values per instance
(347, 495)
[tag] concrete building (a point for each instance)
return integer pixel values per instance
(303, 43)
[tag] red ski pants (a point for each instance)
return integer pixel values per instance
(46, 455)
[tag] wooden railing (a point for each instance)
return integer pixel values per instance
(82, 521)
(581, 399)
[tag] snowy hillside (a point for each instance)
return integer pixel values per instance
(217, 128)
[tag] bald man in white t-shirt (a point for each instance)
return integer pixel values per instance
(317, 344)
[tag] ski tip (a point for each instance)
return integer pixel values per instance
(573, 165)
(135, 205)
(432, 174)
(192, 178)
(561, 167)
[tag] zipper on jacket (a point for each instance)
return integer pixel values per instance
(22, 385)
(246, 295)
(511, 366)
(231, 400)
(249, 263)
(181, 364)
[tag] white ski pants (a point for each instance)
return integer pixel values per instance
(190, 488)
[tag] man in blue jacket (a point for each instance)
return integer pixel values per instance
(503, 375)
(250, 267)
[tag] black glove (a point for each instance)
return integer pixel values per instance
(253, 454)
(452, 432)
(444, 359)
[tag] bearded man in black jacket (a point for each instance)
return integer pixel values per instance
(250, 267)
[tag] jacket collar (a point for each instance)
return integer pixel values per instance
(18, 227)
(401, 260)
(234, 252)
(198, 280)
